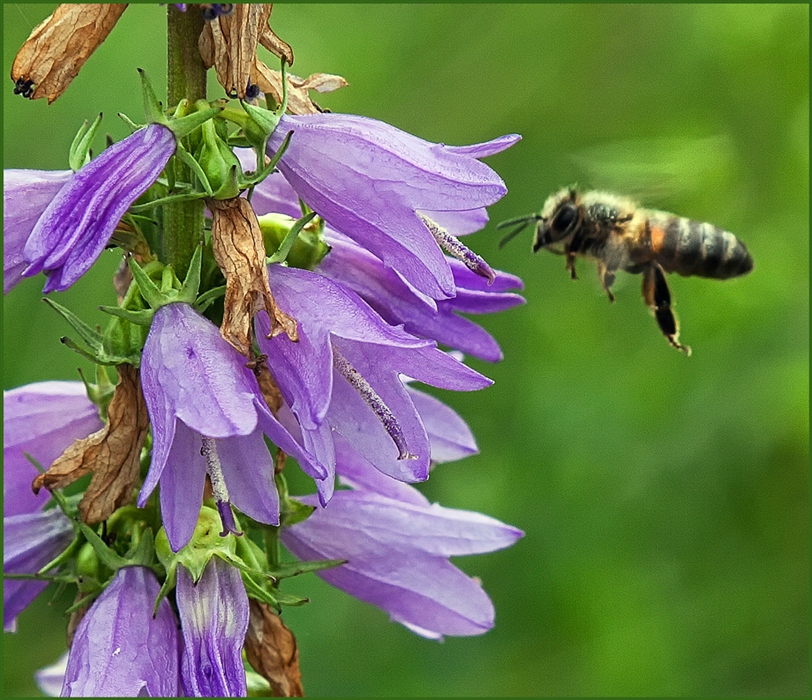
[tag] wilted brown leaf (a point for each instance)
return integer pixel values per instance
(240, 253)
(272, 651)
(229, 43)
(299, 102)
(112, 454)
(57, 49)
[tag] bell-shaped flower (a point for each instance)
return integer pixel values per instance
(120, 649)
(78, 222)
(31, 540)
(41, 419)
(397, 546)
(375, 184)
(208, 416)
(26, 194)
(343, 376)
(214, 619)
(398, 303)
(393, 298)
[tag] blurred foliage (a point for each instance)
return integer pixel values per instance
(665, 499)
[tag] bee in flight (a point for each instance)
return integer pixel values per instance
(619, 235)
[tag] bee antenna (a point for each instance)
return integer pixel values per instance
(522, 222)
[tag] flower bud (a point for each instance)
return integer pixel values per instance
(308, 250)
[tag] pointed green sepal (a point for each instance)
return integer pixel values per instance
(205, 543)
(294, 512)
(262, 173)
(149, 291)
(153, 109)
(186, 125)
(140, 318)
(79, 154)
(91, 336)
(231, 185)
(106, 555)
(67, 342)
(186, 158)
(191, 285)
(133, 127)
(304, 567)
(205, 300)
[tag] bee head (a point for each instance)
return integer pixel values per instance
(559, 218)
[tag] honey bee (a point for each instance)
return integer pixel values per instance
(619, 235)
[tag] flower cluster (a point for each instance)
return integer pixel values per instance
(336, 289)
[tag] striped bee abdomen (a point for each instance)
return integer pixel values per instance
(696, 248)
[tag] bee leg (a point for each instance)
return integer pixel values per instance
(607, 280)
(658, 298)
(571, 266)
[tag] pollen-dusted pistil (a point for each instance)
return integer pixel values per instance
(452, 245)
(218, 486)
(374, 401)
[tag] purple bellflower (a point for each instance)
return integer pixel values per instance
(208, 417)
(375, 183)
(41, 419)
(397, 546)
(120, 649)
(343, 376)
(78, 222)
(393, 298)
(214, 619)
(398, 303)
(26, 194)
(31, 540)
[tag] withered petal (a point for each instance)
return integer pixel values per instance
(299, 102)
(112, 454)
(56, 50)
(272, 651)
(240, 253)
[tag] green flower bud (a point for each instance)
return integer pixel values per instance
(309, 248)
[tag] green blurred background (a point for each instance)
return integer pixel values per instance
(664, 498)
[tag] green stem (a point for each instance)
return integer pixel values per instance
(186, 78)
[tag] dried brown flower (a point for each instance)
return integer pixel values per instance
(240, 253)
(272, 651)
(299, 102)
(111, 454)
(230, 43)
(58, 47)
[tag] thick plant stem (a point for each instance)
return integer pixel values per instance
(186, 78)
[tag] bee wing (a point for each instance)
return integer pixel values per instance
(661, 171)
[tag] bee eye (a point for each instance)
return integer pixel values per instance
(564, 218)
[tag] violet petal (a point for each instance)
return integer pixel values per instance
(41, 419)
(120, 649)
(214, 619)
